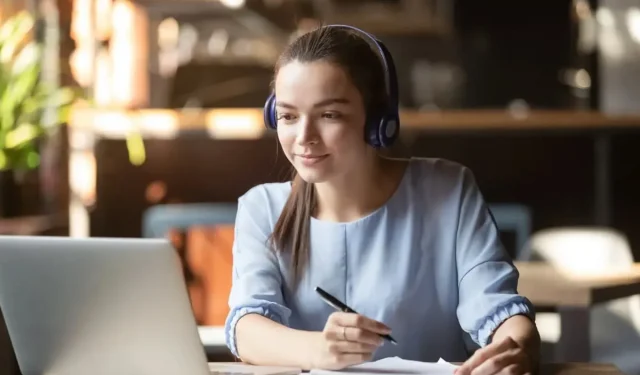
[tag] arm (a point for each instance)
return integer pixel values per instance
(256, 327)
(525, 334)
(283, 346)
(514, 349)
(489, 308)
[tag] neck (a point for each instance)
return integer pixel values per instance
(357, 194)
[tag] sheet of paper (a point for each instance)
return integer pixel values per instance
(445, 363)
(396, 366)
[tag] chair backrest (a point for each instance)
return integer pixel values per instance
(158, 220)
(513, 217)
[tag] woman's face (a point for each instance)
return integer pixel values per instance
(321, 119)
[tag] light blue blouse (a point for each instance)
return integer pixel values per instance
(429, 264)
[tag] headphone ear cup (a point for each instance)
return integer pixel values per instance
(371, 132)
(388, 130)
(270, 119)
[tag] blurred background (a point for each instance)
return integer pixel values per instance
(144, 118)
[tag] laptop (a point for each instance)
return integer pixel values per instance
(102, 306)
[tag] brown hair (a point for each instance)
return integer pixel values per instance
(356, 55)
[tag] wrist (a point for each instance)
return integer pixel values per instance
(311, 350)
(531, 350)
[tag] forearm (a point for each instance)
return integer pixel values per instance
(524, 332)
(261, 341)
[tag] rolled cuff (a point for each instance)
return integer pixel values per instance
(516, 306)
(268, 310)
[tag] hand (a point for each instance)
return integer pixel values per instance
(348, 339)
(503, 357)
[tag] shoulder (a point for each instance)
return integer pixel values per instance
(442, 185)
(264, 203)
(274, 193)
(437, 174)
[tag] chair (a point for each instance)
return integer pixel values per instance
(513, 217)
(206, 255)
(615, 326)
(158, 220)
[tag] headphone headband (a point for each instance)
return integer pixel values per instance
(380, 131)
(385, 58)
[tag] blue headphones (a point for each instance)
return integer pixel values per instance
(381, 130)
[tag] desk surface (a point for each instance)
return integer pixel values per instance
(579, 369)
(29, 225)
(545, 369)
(545, 285)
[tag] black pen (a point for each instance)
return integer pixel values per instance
(336, 304)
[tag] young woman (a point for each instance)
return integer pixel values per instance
(408, 244)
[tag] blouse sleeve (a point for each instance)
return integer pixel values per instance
(256, 282)
(487, 279)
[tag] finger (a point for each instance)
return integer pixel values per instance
(338, 333)
(360, 321)
(499, 363)
(515, 369)
(484, 354)
(350, 359)
(363, 336)
(350, 347)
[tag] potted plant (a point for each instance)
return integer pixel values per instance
(30, 108)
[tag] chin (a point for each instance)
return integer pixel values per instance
(312, 176)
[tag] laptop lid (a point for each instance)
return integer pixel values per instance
(98, 306)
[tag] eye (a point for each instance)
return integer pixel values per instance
(286, 118)
(331, 115)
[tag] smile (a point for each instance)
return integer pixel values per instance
(308, 160)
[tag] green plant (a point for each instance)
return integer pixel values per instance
(30, 109)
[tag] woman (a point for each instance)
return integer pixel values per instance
(408, 244)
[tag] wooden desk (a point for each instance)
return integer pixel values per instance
(29, 225)
(573, 296)
(545, 369)
(579, 369)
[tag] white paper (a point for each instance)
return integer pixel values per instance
(445, 363)
(396, 366)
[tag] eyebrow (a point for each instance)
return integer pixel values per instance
(323, 103)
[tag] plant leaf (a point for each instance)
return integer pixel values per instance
(27, 57)
(13, 33)
(4, 161)
(18, 89)
(21, 135)
(24, 98)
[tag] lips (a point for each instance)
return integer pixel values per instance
(311, 156)
(309, 160)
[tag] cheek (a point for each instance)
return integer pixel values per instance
(344, 136)
(286, 137)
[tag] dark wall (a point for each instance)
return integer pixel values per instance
(553, 174)
(511, 50)
(194, 169)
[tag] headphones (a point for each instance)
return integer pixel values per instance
(380, 130)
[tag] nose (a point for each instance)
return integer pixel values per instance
(307, 132)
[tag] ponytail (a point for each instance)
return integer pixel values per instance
(292, 231)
